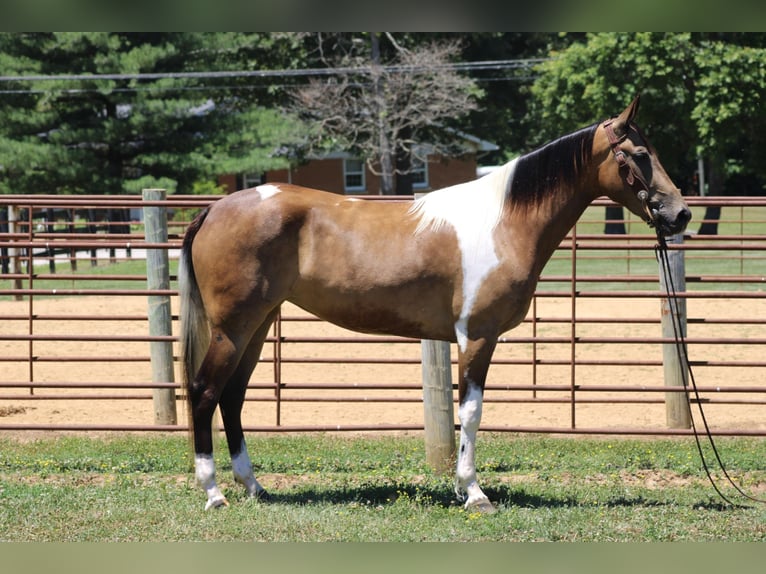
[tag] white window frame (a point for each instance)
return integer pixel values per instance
(347, 172)
(251, 180)
(419, 166)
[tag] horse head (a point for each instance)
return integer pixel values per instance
(631, 174)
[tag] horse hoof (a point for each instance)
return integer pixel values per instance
(216, 503)
(482, 505)
(262, 496)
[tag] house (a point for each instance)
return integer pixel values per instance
(343, 173)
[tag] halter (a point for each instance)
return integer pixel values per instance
(629, 170)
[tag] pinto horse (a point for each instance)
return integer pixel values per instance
(475, 250)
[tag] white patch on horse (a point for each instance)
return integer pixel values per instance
(243, 471)
(204, 470)
(267, 190)
(469, 414)
(473, 210)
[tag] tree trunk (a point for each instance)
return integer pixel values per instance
(615, 220)
(404, 164)
(385, 154)
(709, 225)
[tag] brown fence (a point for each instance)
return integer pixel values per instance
(74, 335)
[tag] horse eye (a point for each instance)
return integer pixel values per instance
(641, 154)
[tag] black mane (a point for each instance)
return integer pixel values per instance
(554, 165)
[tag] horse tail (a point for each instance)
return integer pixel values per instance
(195, 331)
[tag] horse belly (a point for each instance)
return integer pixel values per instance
(406, 310)
(361, 267)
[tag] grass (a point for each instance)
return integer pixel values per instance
(622, 263)
(82, 278)
(330, 488)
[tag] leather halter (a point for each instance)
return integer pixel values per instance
(629, 170)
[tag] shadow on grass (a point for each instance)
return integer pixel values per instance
(438, 496)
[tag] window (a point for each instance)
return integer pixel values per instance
(419, 173)
(353, 175)
(251, 180)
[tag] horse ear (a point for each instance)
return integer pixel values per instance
(633, 108)
(627, 115)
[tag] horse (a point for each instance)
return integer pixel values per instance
(459, 264)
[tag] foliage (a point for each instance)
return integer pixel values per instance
(596, 79)
(118, 133)
(701, 95)
(728, 111)
(504, 115)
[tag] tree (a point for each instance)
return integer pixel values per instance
(127, 119)
(386, 102)
(504, 117)
(730, 121)
(700, 96)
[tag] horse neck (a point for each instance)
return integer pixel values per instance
(545, 224)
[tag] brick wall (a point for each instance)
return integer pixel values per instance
(327, 174)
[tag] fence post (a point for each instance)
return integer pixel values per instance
(676, 369)
(160, 317)
(438, 404)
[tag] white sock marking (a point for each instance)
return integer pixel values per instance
(204, 470)
(243, 471)
(469, 414)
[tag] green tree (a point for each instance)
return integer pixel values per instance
(700, 98)
(504, 117)
(595, 78)
(132, 116)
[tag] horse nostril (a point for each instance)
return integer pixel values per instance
(684, 216)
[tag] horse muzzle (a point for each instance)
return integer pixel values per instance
(667, 219)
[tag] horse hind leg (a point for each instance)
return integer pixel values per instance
(231, 403)
(204, 393)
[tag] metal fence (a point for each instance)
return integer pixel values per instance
(74, 336)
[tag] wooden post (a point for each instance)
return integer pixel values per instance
(438, 405)
(160, 318)
(676, 368)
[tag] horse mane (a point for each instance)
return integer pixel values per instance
(521, 183)
(556, 164)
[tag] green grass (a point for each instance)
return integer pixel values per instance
(81, 279)
(325, 488)
(622, 263)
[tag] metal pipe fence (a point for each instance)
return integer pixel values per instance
(74, 334)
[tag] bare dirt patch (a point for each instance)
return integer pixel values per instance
(310, 399)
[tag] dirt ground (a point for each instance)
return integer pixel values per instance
(72, 363)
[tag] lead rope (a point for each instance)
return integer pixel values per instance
(661, 252)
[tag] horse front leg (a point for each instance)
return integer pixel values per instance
(473, 362)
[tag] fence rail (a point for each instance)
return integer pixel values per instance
(75, 342)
